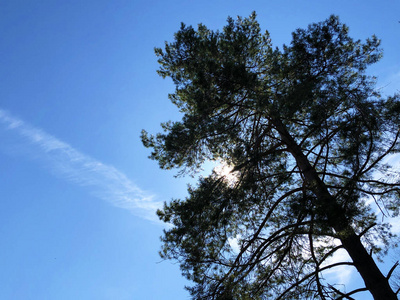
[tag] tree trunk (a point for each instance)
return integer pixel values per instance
(373, 278)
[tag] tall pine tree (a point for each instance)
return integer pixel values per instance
(306, 135)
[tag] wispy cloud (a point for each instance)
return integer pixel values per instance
(104, 181)
(341, 275)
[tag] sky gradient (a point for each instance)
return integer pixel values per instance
(78, 83)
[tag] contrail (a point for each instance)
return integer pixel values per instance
(104, 181)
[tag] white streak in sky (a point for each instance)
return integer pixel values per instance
(104, 181)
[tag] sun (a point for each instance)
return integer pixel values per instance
(226, 171)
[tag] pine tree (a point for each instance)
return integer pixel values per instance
(305, 133)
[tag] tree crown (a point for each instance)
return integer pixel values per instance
(306, 133)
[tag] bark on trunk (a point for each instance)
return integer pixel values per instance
(373, 278)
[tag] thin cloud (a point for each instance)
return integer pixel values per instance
(104, 181)
(341, 275)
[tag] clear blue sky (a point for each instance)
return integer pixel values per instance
(78, 82)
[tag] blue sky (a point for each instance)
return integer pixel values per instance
(78, 82)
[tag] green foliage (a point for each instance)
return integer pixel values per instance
(306, 134)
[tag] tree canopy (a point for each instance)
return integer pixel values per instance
(306, 135)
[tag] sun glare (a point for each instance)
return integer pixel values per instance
(226, 171)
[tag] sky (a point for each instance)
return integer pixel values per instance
(78, 83)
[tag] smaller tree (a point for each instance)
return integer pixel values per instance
(306, 135)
